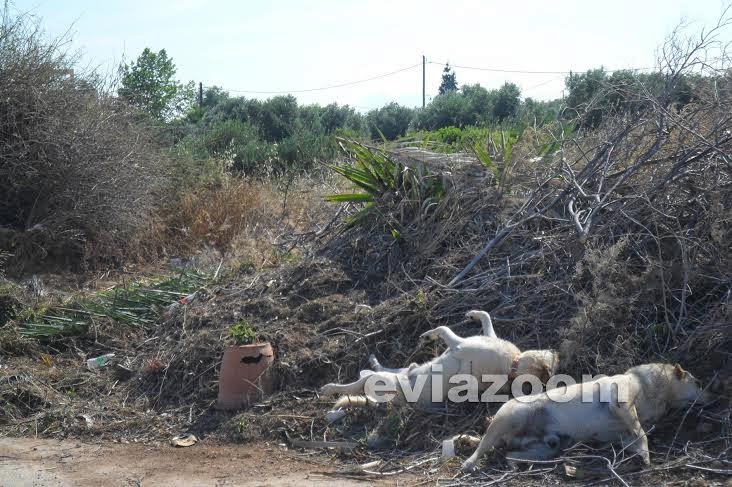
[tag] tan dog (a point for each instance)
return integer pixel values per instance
(539, 428)
(476, 355)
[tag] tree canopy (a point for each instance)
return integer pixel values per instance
(149, 84)
(449, 81)
(508, 101)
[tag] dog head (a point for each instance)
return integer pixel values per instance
(686, 389)
(540, 363)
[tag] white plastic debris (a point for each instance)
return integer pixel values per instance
(186, 439)
(97, 363)
(87, 420)
(364, 468)
(335, 415)
(362, 308)
(448, 450)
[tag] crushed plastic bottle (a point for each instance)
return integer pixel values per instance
(97, 363)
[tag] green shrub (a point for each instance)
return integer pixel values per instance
(391, 121)
(449, 135)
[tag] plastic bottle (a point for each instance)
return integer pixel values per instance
(97, 363)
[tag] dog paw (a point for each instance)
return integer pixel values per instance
(373, 362)
(473, 314)
(646, 459)
(428, 335)
(468, 466)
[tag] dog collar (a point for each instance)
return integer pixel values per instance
(514, 367)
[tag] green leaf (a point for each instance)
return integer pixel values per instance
(349, 198)
(486, 160)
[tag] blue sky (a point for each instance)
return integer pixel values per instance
(293, 45)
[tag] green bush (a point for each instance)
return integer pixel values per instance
(391, 121)
(385, 180)
(449, 135)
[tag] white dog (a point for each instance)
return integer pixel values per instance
(476, 355)
(614, 409)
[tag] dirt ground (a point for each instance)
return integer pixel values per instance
(29, 462)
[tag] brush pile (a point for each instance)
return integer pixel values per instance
(610, 244)
(80, 172)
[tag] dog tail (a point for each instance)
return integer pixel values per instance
(349, 402)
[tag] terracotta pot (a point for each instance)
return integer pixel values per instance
(244, 376)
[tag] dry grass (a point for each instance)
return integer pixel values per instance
(241, 221)
(216, 215)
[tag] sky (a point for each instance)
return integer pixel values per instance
(285, 46)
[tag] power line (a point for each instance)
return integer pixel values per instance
(498, 70)
(542, 83)
(350, 83)
(373, 78)
(519, 71)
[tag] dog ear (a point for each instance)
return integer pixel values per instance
(545, 374)
(679, 372)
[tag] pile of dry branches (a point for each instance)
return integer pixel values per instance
(79, 172)
(614, 249)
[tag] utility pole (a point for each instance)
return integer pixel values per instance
(200, 94)
(424, 69)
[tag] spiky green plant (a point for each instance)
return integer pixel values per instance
(501, 171)
(136, 305)
(381, 177)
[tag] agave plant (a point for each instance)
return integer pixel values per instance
(379, 176)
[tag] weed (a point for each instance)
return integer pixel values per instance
(243, 333)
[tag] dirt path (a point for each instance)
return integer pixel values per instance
(27, 462)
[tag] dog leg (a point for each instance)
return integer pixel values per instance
(485, 321)
(352, 388)
(637, 438)
(447, 335)
(376, 365)
(501, 426)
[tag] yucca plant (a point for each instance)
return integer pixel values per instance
(501, 174)
(380, 177)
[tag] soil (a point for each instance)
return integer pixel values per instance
(29, 462)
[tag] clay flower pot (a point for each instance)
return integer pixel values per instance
(244, 376)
